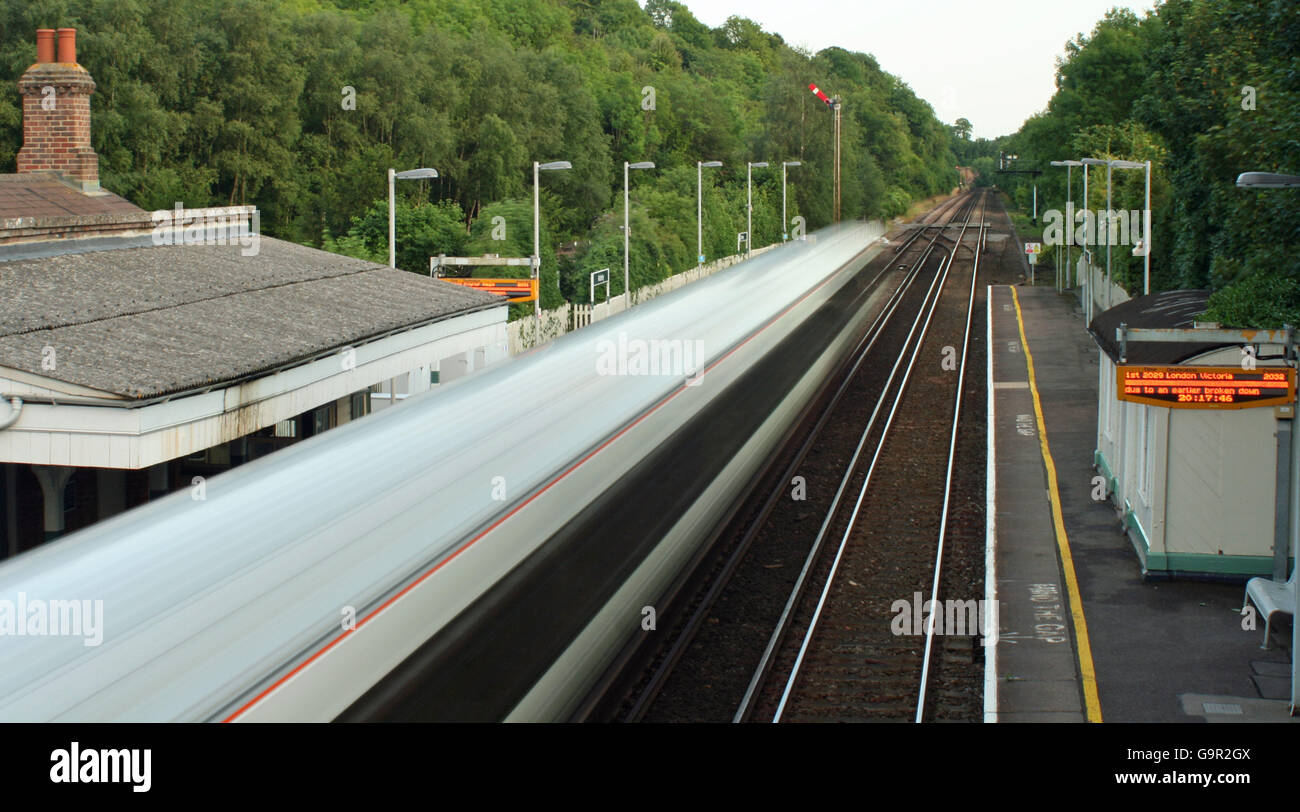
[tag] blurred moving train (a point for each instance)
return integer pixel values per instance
(482, 552)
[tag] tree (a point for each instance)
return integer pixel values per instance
(1178, 87)
(301, 108)
(423, 230)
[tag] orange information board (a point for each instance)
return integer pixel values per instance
(515, 290)
(1187, 387)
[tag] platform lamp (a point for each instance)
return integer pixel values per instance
(749, 213)
(1099, 162)
(1267, 180)
(1110, 166)
(393, 177)
(627, 290)
(785, 224)
(1273, 180)
(699, 205)
(537, 229)
(1146, 219)
(1069, 200)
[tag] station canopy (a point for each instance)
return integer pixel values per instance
(1166, 309)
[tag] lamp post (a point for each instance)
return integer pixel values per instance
(1272, 180)
(537, 229)
(393, 177)
(1146, 234)
(1089, 237)
(1146, 245)
(1069, 208)
(836, 104)
(784, 222)
(627, 290)
(1267, 180)
(1089, 226)
(749, 214)
(699, 206)
(1109, 223)
(1146, 219)
(1099, 162)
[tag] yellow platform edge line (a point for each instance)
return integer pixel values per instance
(1086, 670)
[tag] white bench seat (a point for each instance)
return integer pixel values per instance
(1270, 597)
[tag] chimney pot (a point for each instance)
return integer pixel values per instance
(57, 136)
(44, 45)
(68, 45)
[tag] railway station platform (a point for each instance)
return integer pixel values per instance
(1082, 637)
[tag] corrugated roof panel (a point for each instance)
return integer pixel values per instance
(1167, 309)
(144, 322)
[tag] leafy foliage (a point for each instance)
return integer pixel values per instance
(1174, 88)
(301, 107)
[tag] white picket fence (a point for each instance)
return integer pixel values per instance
(534, 331)
(1093, 278)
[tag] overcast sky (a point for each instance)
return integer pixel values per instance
(993, 62)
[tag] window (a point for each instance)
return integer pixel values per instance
(321, 420)
(1113, 410)
(1104, 405)
(70, 495)
(359, 404)
(1144, 453)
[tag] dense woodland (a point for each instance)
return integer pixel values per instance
(1205, 89)
(216, 102)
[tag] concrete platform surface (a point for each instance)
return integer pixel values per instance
(1083, 636)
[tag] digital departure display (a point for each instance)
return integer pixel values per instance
(515, 290)
(1188, 387)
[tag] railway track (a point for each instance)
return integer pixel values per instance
(851, 661)
(884, 545)
(760, 634)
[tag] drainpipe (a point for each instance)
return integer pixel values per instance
(15, 409)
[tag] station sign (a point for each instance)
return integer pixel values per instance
(1032, 250)
(514, 290)
(600, 277)
(1192, 387)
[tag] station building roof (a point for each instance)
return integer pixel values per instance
(91, 297)
(41, 195)
(140, 321)
(1166, 309)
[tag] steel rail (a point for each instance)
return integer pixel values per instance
(933, 303)
(947, 486)
(852, 362)
(765, 663)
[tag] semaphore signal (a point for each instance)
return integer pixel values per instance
(834, 104)
(821, 95)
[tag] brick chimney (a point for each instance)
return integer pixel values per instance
(56, 112)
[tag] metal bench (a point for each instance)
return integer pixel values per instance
(1271, 596)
